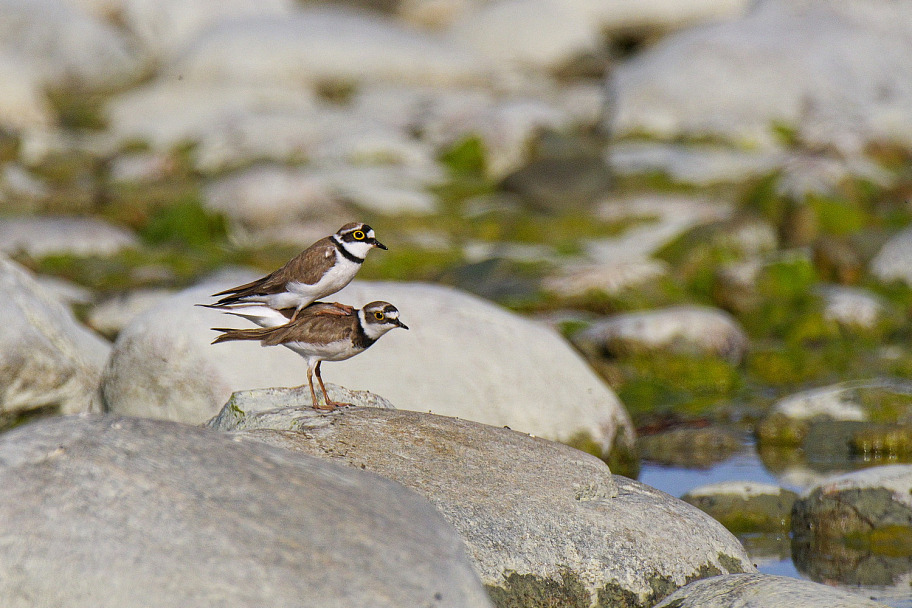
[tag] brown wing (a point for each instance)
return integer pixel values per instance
(306, 267)
(316, 324)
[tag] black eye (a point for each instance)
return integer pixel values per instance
(358, 234)
(378, 316)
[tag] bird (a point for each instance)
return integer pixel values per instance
(320, 270)
(319, 332)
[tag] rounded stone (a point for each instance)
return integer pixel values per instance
(762, 591)
(80, 236)
(540, 519)
(148, 510)
(745, 507)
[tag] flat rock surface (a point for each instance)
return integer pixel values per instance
(156, 512)
(47, 359)
(538, 517)
(762, 591)
(462, 357)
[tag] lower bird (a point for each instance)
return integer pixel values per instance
(320, 332)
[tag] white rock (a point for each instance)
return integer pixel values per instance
(741, 489)
(81, 236)
(852, 307)
(673, 216)
(23, 104)
(385, 189)
(836, 401)
(48, 359)
(17, 182)
(63, 45)
(536, 34)
(894, 260)
(575, 279)
(704, 329)
(141, 167)
(167, 112)
(778, 64)
(113, 314)
(164, 27)
(324, 44)
(65, 291)
(267, 196)
(462, 357)
(895, 477)
(698, 165)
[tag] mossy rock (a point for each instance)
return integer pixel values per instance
(744, 507)
(691, 448)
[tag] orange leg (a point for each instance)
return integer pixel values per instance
(313, 395)
(334, 404)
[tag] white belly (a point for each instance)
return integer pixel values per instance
(340, 275)
(334, 351)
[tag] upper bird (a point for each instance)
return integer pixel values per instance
(320, 333)
(320, 270)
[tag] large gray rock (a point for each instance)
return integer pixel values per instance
(156, 513)
(47, 359)
(462, 357)
(762, 591)
(81, 236)
(541, 520)
(835, 71)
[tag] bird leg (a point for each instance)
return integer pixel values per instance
(329, 401)
(313, 395)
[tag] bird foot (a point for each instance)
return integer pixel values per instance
(348, 309)
(328, 407)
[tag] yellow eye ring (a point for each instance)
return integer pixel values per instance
(378, 316)
(359, 235)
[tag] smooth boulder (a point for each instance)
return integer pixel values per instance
(105, 511)
(541, 520)
(462, 357)
(48, 361)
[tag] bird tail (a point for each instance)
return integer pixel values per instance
(240, 334)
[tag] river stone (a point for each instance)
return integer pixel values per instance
(892, 262)
(545, 524)
(762, 591)
(853, 307)
(278, 407)
(839, 66)
(543, 34)
(690, 448)
(112, 314)
(47, 359)
(152, 511)
(695, 165)
(23, 104)
(574, 279)
(462, 357)
(79, 236)
(165, 27)
(745, 507)
(698, 329)
(62, 44)
(324, 44)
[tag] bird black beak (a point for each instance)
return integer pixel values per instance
(401, 324)
(377, 243)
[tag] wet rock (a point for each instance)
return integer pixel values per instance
(62, 44)
(201, 519)
(682, 329)
(565, 539)
(697, 165)
(79, 236)
(779, 64)
(892, 261)
(112, 314)
(163, 365)
(284, 408)
(762, 591)
(544, 34)
(745, 507)
(869, 511)
(690, 448)
(49, 362)
(324, 44)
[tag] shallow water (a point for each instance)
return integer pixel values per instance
(773, 556)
